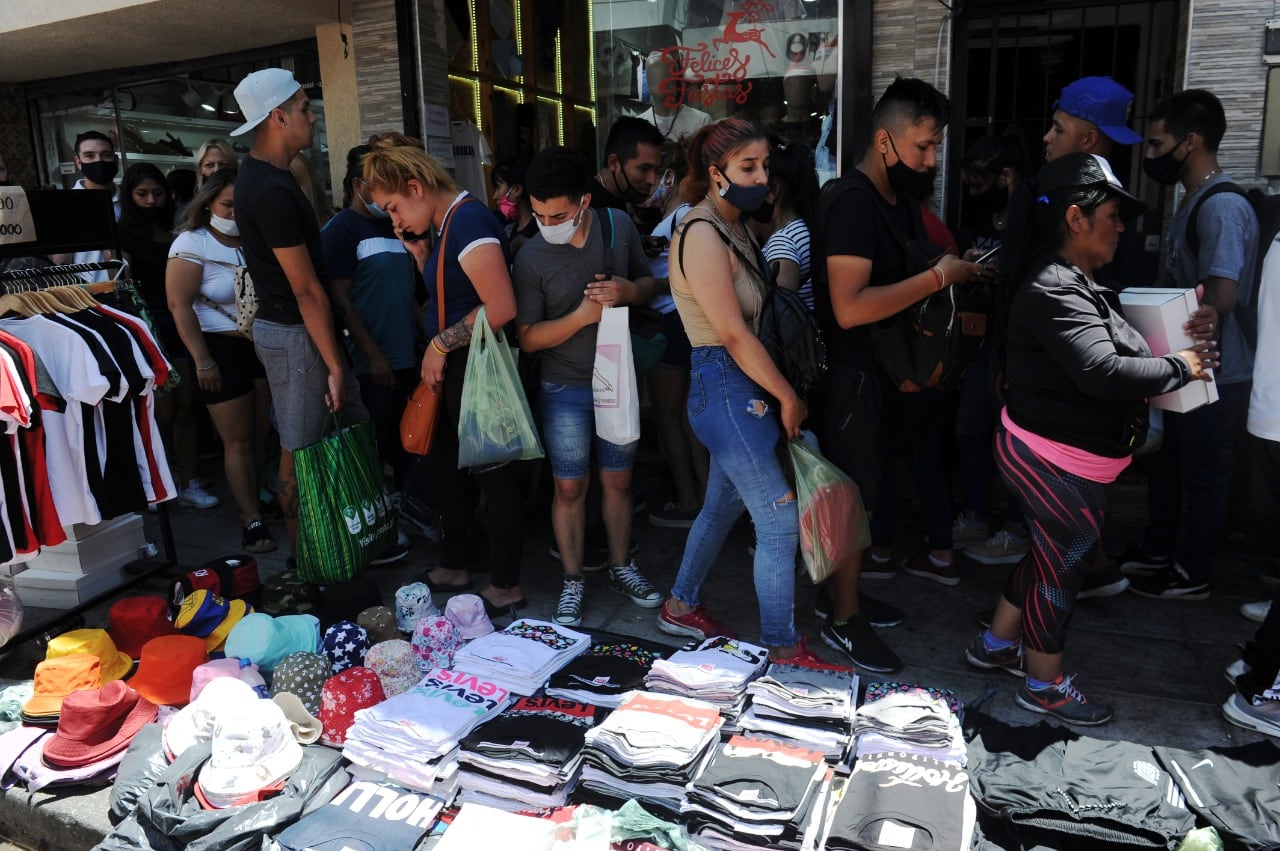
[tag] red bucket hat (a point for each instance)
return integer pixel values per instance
(137, 620)
(96, 724)
(166, 668)
(344, 695)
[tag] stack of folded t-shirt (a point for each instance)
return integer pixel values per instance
(810, 706)
(528, 757)
(758, 793)
(717, 671)
(523, 655)
(412, 738)
(647, 749)
(603, 674)
(909, 783)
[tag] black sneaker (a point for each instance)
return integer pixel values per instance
(1107, 582)
(390, 555)
(1063, 701)
(1005, 659)
(858, 640)
(1135, 561)
(1169, 584)
(878, 612)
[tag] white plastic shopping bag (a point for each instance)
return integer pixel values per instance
(613, 381)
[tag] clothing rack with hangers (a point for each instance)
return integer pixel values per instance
(67, 222)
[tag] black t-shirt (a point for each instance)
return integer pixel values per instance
(272, 212)
(854, 223)
(601, 197)
(148, 259)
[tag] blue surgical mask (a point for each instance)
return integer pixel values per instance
(374, 210)
(745, 198)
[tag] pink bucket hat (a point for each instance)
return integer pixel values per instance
(467, 613)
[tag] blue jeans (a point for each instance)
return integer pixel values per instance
(737, 423)
(569, 432)
(1191, 463)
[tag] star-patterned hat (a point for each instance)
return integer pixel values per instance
(345, 643)
(304, 675)
(344, 695)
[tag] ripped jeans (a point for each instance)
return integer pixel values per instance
(738, 424)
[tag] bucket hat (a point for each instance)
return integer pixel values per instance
(95, 642)
(344, 695)
(210, 617)
(266, 640)
(239, 669)
(304, 725)
(136, 620)
(261, 92)
(253, 748)
(1104, 102)
(1085, 171)
(413, 603)
(396, 666)
(96, 724)
(57, 678)
(345, 643)
(467, 613)
(193, 724)
(167, 668)
(380, 623)
(286, 594)
(435, 640)
(304, 675)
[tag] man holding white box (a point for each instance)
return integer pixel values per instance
(1187, 483)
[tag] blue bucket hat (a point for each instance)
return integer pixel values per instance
(345, 643)
(265, 640)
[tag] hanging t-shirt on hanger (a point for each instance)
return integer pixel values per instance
(470, 155)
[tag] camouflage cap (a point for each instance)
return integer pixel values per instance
(286, 594)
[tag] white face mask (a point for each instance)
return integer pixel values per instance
(563, 232)
(226, 227)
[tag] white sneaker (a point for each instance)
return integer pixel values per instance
(1238, 668)
(967, 530)
(194, 496)
(1256, 612)
(1262, 716)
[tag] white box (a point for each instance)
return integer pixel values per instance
(1159, 314)
(89, 549)
(51, 589)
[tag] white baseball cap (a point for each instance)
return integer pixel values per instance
(261, 92)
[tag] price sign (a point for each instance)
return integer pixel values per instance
(16, 224)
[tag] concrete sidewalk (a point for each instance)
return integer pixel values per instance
(1160, 664)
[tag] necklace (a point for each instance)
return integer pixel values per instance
(1208, 176)
(715, 211)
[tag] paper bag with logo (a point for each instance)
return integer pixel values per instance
(613, 380)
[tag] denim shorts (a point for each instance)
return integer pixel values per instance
(299, 382)
(569, 431)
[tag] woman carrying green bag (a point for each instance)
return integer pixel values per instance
(419, 195)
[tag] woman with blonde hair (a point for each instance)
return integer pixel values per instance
(304, 171)
(214, 155)
(420, 196)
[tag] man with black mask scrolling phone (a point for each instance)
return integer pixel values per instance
(865, 218)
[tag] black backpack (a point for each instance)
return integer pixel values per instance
(788, 330)
(1267, 209)
(922, 346)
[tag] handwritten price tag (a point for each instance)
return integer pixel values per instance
(16, 224)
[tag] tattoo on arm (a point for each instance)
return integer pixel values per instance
(457, 335)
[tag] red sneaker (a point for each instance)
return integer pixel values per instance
(804, 657)
(696, 624)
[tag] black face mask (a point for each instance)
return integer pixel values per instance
(991, 200)
(101, 172)
(630, 194)
(1166, 168)
(903, 178)
(764, 213)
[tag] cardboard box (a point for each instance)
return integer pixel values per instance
(51, 589)
(89, 549)
(1158, 314)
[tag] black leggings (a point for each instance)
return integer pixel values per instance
(458, 491)
(1065, 514)
(1262, 654)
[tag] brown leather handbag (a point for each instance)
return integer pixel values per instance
(418, 422)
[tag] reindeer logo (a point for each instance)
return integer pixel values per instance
(733, 35)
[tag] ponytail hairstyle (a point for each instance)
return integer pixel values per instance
(394, 159)
(710, 146)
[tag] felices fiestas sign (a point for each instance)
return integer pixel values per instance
(16, 224)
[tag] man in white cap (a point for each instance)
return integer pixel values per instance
(294, 331)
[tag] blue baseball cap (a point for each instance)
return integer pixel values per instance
(1104, 102)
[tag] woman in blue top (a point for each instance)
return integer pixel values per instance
(419, 195)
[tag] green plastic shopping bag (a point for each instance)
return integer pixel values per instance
(833, 521)
(345, 515)
(495, 425)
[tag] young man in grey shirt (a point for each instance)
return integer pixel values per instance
(575, 267)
